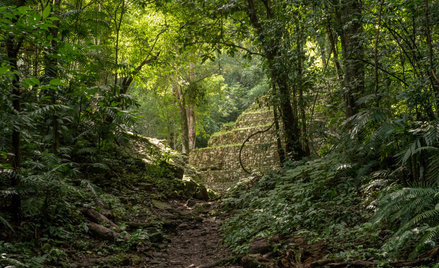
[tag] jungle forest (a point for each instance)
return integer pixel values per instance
(219, 133)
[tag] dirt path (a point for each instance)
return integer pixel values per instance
(196, 241)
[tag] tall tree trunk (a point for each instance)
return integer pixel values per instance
(280, 77)
(175, 136)
(12, 51)
(353, 52)
(50, 73)
(280, 149)
(300, 59)
(183, 116)
(168, 129)
(117, 24)
(333, 41)
(191, 113)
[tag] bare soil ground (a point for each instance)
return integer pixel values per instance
(191, 238)
(196, 242)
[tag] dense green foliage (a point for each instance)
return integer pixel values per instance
(353, 83)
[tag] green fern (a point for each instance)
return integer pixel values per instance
(6, 223)
(412, 207)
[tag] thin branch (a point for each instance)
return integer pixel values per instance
(395, 36)
(382, 69)
(230, 45)
(376, 52)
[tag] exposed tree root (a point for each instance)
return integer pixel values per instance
(104, 232)
(97, 217)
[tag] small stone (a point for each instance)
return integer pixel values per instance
(190, 203)
(183, 226)
(203, 233)
(155, 261)
(160, 205)
(159, 255)
(169, 216)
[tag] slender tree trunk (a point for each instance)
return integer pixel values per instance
(280, 149)
(353, 52)
(191, 126)
(435, 82)
(333, 41)
(12, 51)
(51, 72)
(183, 116)
(300, 59)
(376, 54)
(117, 24)
(168, 129)
(191, 114)
(175, 136)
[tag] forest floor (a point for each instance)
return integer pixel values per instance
(188, 235)
(194, 240)
(196, 243)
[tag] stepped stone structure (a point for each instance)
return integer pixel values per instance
(219, 162)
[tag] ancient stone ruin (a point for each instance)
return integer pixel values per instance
(219, 162)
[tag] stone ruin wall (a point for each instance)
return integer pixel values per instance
(219, 162)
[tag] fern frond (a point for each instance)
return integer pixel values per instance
(405, 203)
(5, 222)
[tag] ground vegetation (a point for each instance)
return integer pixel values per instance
(353, 87)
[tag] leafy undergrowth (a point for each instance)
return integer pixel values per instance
(131, 182)
(316, 200)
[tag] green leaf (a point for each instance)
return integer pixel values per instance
(3, 69)
(35, 81)
(23, 9)
(68, 47)
(25, 84)
(56, 82)
(37, 18)
(46, 12)
(92, 91)
(114, 103)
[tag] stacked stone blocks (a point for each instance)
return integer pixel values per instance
(219, 162)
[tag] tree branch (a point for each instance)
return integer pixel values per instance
(382, 69)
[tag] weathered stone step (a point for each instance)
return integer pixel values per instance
(255, 115)
(220, 178)
(227, 157)
(254, 122)
(241, 134)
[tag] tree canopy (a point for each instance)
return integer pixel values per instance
(351, 82)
